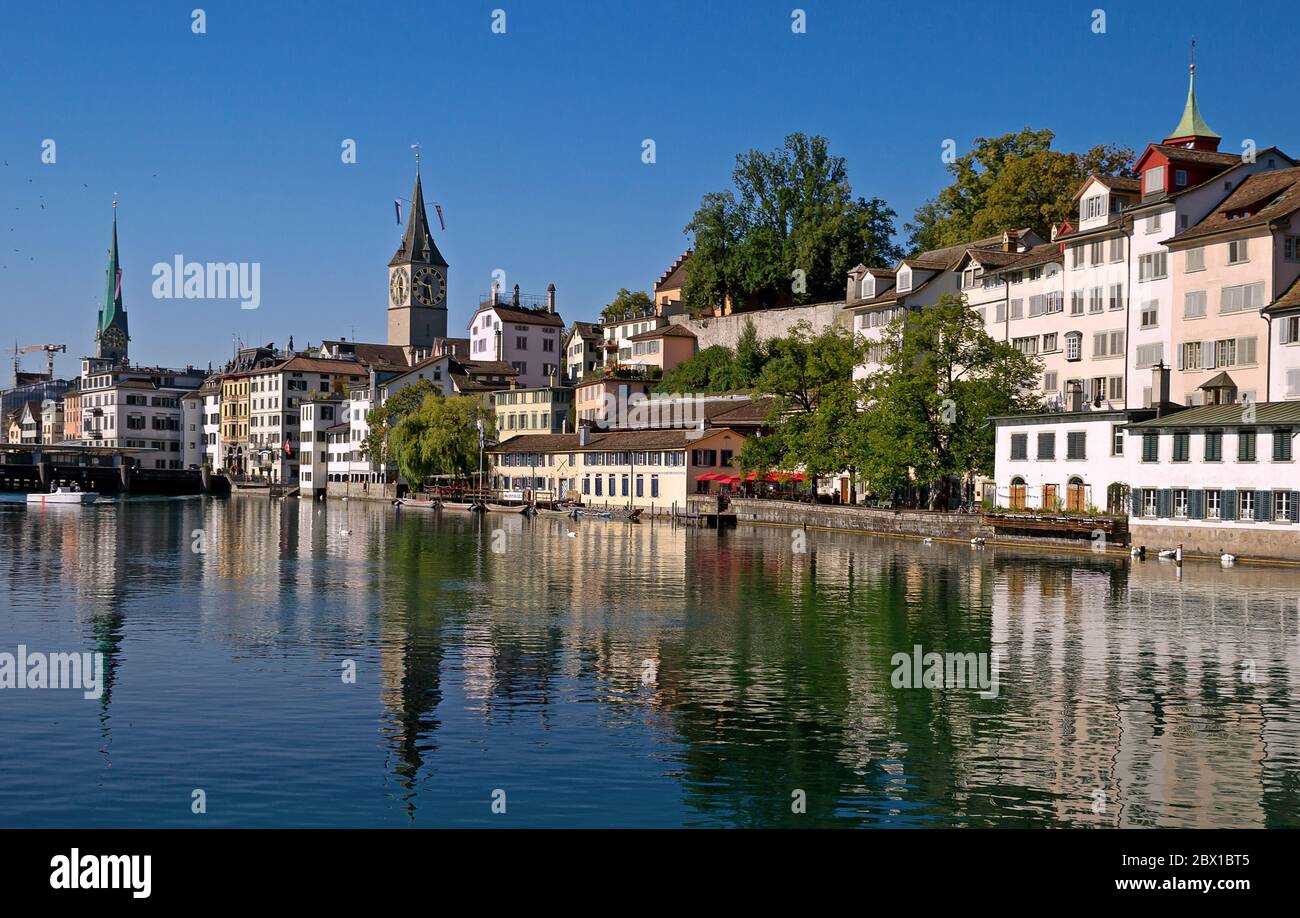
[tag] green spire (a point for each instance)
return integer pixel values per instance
(1192, 124)
(113, 312)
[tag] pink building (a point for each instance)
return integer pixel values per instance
(527, 335)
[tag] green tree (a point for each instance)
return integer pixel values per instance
(440, 437)
(627, 304)
(713, 369)
(1012, 181)
(787, 234)
(928, 406)
(376, 445)
(811, 422)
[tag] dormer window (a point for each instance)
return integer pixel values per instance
(1093, 207)
(1180, 178)
(904, 280)
(868, 287)
(1154, 180)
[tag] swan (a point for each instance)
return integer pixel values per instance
(1167, 553)
(927, 541)
(345, 532)
(978, 541)
(1226, 559)
(1138, 551)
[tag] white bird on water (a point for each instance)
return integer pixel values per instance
(978, 541)
(927, 541)
(1226, 559)
(345, 532)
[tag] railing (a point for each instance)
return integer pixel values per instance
(526, 300)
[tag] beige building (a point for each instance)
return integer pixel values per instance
(543, 410)
(640, 468)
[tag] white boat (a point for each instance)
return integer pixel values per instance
(63, 496)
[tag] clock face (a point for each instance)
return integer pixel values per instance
(114, 338)
(429, 286)
(397, 287)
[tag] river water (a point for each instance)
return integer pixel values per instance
(349, 664)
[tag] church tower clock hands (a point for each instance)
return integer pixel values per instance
(417, 282)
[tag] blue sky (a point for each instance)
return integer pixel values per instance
(226, 146)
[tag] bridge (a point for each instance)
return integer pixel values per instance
(34, 467)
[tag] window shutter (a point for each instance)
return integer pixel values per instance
(1180, 349)
(1208, 355)
(1284, 333)
(1165, 503)
(1135, 499)
(1263, 505)
(1228, 505)
(1295, 506)
(1245, 350)
(1195, 501)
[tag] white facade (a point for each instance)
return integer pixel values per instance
(530, 340)
(315, 419)
(193, 447)
(137, 408)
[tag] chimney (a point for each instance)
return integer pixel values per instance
(1159, 387)
(494, 293)
(514, 300)
(1056, 231)
(498, 342)
(583, 432)
(1010, 241)
(550, 298)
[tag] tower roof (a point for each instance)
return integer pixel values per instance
(417, 243)
(1192, 124)
(113, 312)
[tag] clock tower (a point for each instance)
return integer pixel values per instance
(417, 283)
(111, 336)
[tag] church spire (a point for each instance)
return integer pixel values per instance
(1192, 127)
(112, 315)
(417, 243)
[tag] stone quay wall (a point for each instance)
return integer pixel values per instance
(768, 323)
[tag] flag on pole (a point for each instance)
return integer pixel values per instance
(288, 448)
(397, 206)
(438, 208)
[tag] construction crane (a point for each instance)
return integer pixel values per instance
(49, 349)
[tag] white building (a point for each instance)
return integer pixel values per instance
(317, 417)
(136, 407)
(275, 394)
(193, 447)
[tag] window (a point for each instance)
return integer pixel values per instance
(1076, 444)
(1194, 260)
(1237, 251)
(1283, 505)
(1180, 502)
(1180, 177)
(1047, 446)
(1182, 446)
(1213, 504)
(1094, 300)
(1150, 446)
(1190, 356)
(1094, 253)
(1194, 304)
(1049, 382)
(1151, 266)
(1150, 315)
(1282, 444)
(1037, 306)
(1028, 346)
(1049, 343)
(1108, 344)
(1020, 446)
(1214, 446)
(1017, 309)
(1073, 345)
(1000, 312)
(1093, 207)
(1117, 249)
(1116, 440)
(1288, 332)
(1153, 223)
(1116, 296)
(1076, 302)
(1076, 257)
(1242, 298)
(1148, 355)
(1245, 505)
(1291, 248)
(1153, 180)
(1245, 445)
(1150, 502)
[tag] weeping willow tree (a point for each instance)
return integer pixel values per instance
(439, 436)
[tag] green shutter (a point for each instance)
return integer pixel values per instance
(1263, 505)
(1195, 505)
(1164, 503)
(1135, 500)
(1295, 506)
(1228, 505)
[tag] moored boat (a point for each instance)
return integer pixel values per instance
(461, 505)
(418, 504)
(63, 496)
(508, 508)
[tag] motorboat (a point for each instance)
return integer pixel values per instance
(63, 496)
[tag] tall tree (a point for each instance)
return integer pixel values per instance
(1011, 181)
(788, 233)
(811, 377)
(440, 437)
(626, 304)
(928, 406)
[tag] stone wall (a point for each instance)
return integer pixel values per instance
(357, 490)
(920, 523)
(1246, 542)
(769, 323)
